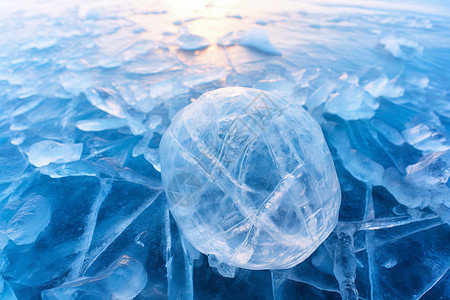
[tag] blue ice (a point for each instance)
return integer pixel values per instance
(90, 91)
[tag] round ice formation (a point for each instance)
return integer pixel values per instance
(249, 178)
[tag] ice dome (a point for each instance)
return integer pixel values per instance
(249, 178)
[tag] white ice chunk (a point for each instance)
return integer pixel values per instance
(402, 190)
(152, 156)
(320, 95)
(75, 82)
(358, 164)
(192, 42)
(105, 100)
(425, 182)
(111, 102)
(257, 38)
(47, 151)
(424, 138)
(223, 269)
(230, 39)
(361, 167)
(30, 220)
(431, 169)
(100, 124)
(351, 102)
(400, 47)
(383, 87)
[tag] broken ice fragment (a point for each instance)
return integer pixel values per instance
(230, 39)
(383, 87)
(168, 88)
(361, 166)
(351, 102)
(320, 95)
(424, 138)
(223, 269)
(400, 47)
(107, 101)
(257, 38)
(6, 292)
(192, 42)
(124, 279)
(345, 263)
(431, 169)
(357, 163)
(30, 220)
(100, 124)
(139, 48)
(425, 183)
(75, 82)
(388, 132)
(45, 152)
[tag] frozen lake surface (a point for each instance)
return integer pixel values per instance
(87, 91)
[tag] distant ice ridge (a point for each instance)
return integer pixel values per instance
(249, 179)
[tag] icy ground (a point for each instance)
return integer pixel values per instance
(87, 91)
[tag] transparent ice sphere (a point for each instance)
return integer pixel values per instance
(249, 178)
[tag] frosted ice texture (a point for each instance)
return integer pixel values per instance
(30, 220)
(249, 178)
